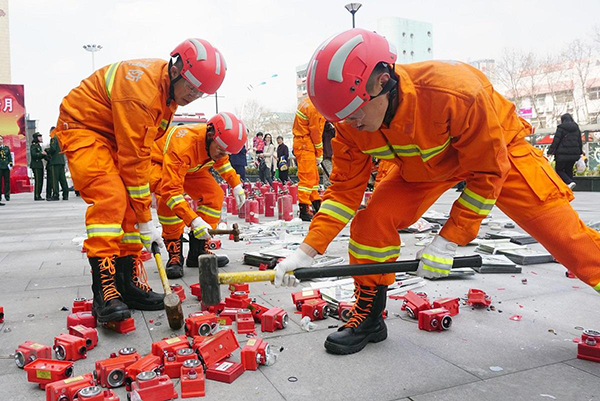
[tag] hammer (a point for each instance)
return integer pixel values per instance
(210, 278)
(235, 232)
(171, 301)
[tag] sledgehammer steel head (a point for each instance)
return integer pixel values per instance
(209, 280)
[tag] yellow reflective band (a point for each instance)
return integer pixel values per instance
(164, 124)
(476, 203)
(597, 287)
(301, 115)
(109, 78)
(170, 133)
(437, 259)
(201, 166)
(131, 238)
(224, 168)
(209, 211)
(169, 220)
(175, 200)
(104, 230)
(145, 239)
(319, 145)
(337, 210)
(383, 152)
(427, 154)
(139, 192)
(304, 189)
(375, 254)
(433, 269)
(320, 158)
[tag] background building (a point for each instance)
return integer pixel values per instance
(4, 44)
(413, 39)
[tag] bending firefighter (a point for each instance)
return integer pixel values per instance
(440, 123)
(181, 163)
(106, 128)
(308, 149)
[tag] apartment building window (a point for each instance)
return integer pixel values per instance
(594, 93)
(563, 96)
(540, 101)
(539, 122)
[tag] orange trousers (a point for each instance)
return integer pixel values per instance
(201, 187)
(308, 177)
(533, 195)
(110, 220)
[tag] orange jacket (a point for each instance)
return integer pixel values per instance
(450, 124)
(308, 129)
(184, 152)
(126, 102)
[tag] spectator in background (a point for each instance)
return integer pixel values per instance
(57, 168)
(266, 161)
(283, 158)
(37, 165)
(326, 165)
(6, 164)
(238, 162)
(567, 148)
(258, 145)
(49, 174)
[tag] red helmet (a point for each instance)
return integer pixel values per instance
(230, 133)
(203, 65)
(338, 71)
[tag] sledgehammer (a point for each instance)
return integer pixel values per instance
(172, 301)
(210, 278)
(234, 232)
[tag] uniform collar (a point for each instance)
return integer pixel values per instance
(404, 120)
(165, 85)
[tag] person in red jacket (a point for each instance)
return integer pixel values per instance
(440, 123)
(181, 163)
(106, 128)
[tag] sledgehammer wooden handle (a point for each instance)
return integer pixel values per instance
(172, 301)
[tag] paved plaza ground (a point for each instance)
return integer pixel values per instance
(484, 356)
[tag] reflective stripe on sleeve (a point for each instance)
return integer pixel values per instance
(175, 200)
(209, 211)
(170, 133)
(103, 230)
(337, 210)
(373, 253)
(301, 115)
(436, 264)
(169, 220)
(224, 168)
(318, 145)
(131, 238)
(139, 192)
(109, 78)
(476, 203)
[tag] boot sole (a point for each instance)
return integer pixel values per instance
(113, 317)
(347, 350)
(144, 307)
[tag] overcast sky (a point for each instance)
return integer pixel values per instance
(259, 38)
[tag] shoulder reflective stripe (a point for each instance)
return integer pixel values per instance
(383, 152)
(201, 166)
(104, 230)
(139, 192)
(301, 115)
(427, 154)
(375, 254)
(337, 210)
(109, 78)
(476, 203)
(319, 145)
(169, 220)
(164, 124)
(209, 211)
(175, 200)
(131, 238)
(170, 133)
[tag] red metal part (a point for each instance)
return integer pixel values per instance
(478, 298)
(151, 387)
(451, 304)
(169, 345)
(227, 316)
(216, 309)
(238, 300)
(244, 321)
(174, 361)
(82, 305)
(30, 351)
(269, 204)
(200, 323)
(69, 348)
(316, 309)
(218, 347)
(257, 311)
(415, 303)
(123, 326)
(45, 371)
(214, 244)
(67, 389)
(1, 314)
(192, 379)
(302, 296)
(344, 311)
(225, 371)
(196, 291)
(235, 287)
(438, 319)
(178, 289)
(83, 318)
(274, 319)
(146, 364)
(284, 208)
(89, 334)
(589, 346)
(95, 393)
(110, 372)
(256, 352)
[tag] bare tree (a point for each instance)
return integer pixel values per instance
(579, 56)
(509, 74)
(253, 115)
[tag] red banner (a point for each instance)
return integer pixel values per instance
(12, 128)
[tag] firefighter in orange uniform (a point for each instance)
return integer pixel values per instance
(106, 128)
(308, 149)
(440, 123)
(181, 163)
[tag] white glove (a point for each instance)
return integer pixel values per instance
(240, 195)
(200, 228)
(436, 258)
(319, 161)
(298, 259)
(149, 234)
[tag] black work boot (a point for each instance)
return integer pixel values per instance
(200, 247)
(316, 205)
(131, 283)
(305, 214)
(366, 324)
(174, 267)
(108, 304)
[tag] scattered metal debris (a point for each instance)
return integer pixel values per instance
(292, 379)
(496, 369)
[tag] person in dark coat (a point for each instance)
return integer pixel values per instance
(567, 148)
(283, 159)
(238, 162)
(37, 165)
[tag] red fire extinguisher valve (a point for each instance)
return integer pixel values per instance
(69, 348)
(438, 319)
(68, 389)
(302, 296)
(89, 334)
(415, 303)
(110, 372)
(274, 319)
(45, 371)
(30, 351)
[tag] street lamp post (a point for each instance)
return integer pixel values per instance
(93, 49)
(353, 8)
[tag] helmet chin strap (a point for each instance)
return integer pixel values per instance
(172, 84)
(392, 107)
(210, 134)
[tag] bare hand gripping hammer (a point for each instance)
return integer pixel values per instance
(210, 278)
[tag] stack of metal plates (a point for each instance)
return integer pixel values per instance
(514, 236)
(497, 264)
(527, 256)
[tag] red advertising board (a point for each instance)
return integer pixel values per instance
(12, 128)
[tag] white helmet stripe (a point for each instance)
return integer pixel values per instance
(350, 108)
(312, 78)
(339, 58)
(200, 49)
(223, 61)
(228, 121)
(193, 80)
(240, 132)
(218, 60)
(220, 142)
